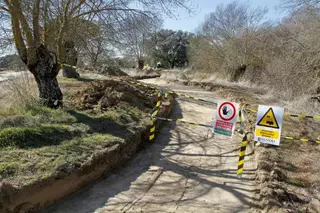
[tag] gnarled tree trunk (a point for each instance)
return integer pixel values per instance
(45, 71)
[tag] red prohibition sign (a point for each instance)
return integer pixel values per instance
(234, 111)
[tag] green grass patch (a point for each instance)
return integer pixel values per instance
(23, 166)
(299, 182)
(33, 137)
(34, 116)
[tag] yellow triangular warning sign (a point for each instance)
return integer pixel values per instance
(269, 120)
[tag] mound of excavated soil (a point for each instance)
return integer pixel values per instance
(146, 73)
(101, 95)
(112, 71)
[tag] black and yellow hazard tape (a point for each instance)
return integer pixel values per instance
(141, 84)
(241, 155)
(154, 113)
(301, 139)
(191, 97)
(178, 121)
(291, 115)
(155, 110)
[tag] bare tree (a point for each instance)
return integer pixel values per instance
(297, 4)
(98, 48)
(230, 22)
(29, 20)
(134, 34)
(229, 36)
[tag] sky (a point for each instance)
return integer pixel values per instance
(189, 23)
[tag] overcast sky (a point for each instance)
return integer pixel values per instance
(203, 7)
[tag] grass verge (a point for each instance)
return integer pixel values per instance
(36, 141)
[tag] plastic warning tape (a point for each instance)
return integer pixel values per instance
(301, 139)
(290, 115)
(141, 84)
(177, 121)
(241, 155)
(191, 97)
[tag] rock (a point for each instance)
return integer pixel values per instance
(65, 169)
(315, 205)
(69, 72)
(278, 175)
(70, 58)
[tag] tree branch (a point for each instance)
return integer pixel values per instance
(23, 21)
(17, 34)
(77, 7)
(4, 8)
(45, 22)
(36, 27)
(106, 9)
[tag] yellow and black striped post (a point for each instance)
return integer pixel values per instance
(241, 155)
(153, 118)
(152, 129)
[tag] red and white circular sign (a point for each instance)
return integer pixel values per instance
(227, 111)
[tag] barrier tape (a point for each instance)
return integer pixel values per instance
(141, 84)
(241, 155)
(181, 121)
(301, 139)
(290, 115)
(191, 97)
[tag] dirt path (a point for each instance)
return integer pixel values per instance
(186, 170)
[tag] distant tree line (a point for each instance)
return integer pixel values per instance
(239, 43)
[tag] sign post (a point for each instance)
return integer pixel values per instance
(269, 125)
(226, 118)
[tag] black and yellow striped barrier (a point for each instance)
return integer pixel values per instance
(290, 115)
(301, 139)
(141, 84)
(178, 121)
(152, 129)
(191, 97)
(241, 155)
(153, 115)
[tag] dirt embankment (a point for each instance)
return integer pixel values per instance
(70, 177)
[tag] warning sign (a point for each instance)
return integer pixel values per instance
(269, 125)
(269, 120)
(226, 118)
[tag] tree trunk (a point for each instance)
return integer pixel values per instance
(45, 71)
(172, 65)
(140, 64)
(49, 92)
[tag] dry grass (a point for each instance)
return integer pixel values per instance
(18, 91)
